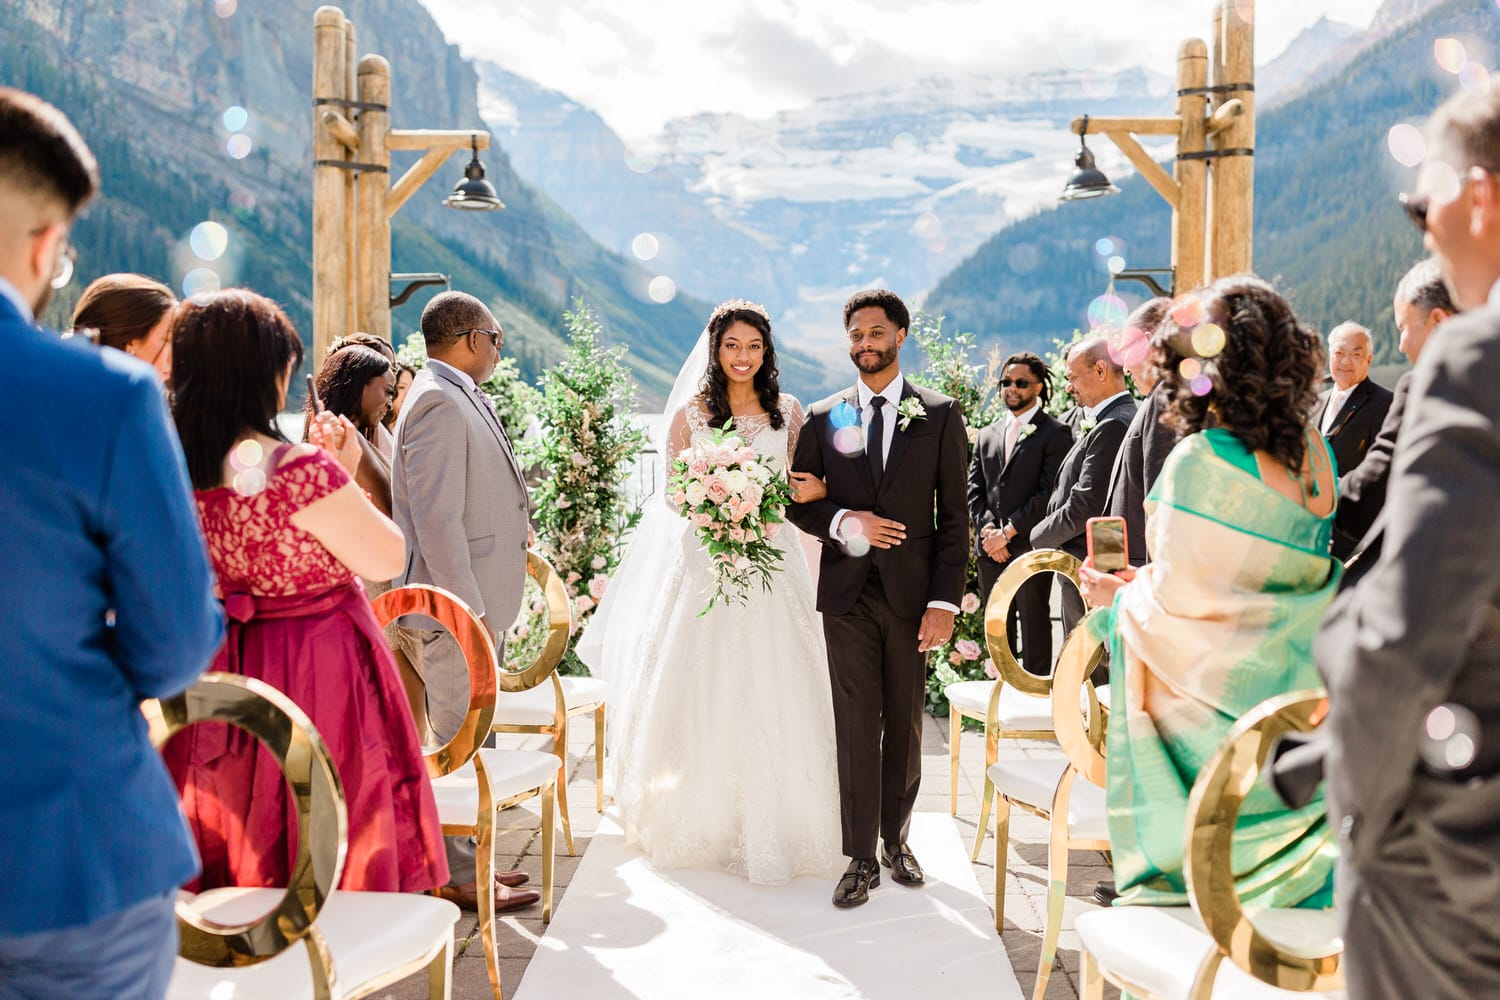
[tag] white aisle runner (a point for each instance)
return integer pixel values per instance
(626, 930)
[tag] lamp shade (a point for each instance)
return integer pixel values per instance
(1088, 181)
(474, 193)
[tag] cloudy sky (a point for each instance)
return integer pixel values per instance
(642, 62)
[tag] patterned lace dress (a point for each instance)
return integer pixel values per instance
(299, 621)
(724, 747)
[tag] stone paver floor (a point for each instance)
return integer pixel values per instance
(518, 845)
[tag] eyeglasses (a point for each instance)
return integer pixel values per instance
(1415, 206)
(62, 271)
(494, 335)
(1019, 383)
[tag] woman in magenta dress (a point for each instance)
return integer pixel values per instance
(288, 532)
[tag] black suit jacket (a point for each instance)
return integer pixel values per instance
(1362, 491)
(1144, 451)
(922, 487)
(1423, 627)
(1018, 490)
(1356, 425)
(1083, 482)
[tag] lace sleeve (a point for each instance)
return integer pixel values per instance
(308, 478)
(679, 436)
(792, 413)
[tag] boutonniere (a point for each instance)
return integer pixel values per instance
(910, 409)
(1087, 424)
(1025, 432)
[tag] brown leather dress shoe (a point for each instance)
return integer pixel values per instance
(512, 879)
(466, 896)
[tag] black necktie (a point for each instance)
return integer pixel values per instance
(875, 440)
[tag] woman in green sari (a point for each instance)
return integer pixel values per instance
(1223, 616)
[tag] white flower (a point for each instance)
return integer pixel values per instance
(599, 562)
(1087, 424)
(695, 493)
(736, 481)
(762, 474)
(597, 585)
(1026, 431)
(910, 408)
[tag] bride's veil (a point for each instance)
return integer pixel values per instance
(610, 644)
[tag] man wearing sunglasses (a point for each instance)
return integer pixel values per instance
(1411, 653)
(1011, 476)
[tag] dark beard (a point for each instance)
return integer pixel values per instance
(883, 360)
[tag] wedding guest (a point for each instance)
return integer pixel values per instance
(404, 374)
(1224, 614)
(385, 439)
(288, 530)
(1350, 412)
(461, 500)
(359, 383)
(1412, 652)
(1422, 302)
(1011, 476)
(1147, 441)
(131, 313)
(1096, 382)
(108, 601)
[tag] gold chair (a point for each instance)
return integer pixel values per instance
(237, 941)
(1075, 810)
(546, 709)
(1177, 953)
(472, 784)
(1015, 706)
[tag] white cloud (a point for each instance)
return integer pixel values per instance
(642, 62)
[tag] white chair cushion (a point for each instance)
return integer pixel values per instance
(511, 773)
(1159, 948)
(1017, 710)
(368, 934)
(1102, 691)
(534, 706)
(1035, 781)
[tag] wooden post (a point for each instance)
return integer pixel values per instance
(1233, 195)
(351, 200)
(374, 226)
(331, 246)
(1189, 218)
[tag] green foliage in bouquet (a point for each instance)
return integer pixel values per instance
(587, 446)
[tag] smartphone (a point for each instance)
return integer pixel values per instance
(312, 394)
(1107, 547)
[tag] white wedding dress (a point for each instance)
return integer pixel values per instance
(722, 748)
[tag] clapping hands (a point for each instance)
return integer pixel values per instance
(338, 435)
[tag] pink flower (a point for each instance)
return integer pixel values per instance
(679, 498)
(746, 454)
(955, 659)
(967, 648)
(736, 534)
(990, 670)
(599, 562)
(725, 454)
(584, 603)
(715, 488)
(563, 503)
(970, 604)
(597, 585)
(698, 467)
(520, 631)
(773, 529)
(573, 578)
(701, 520)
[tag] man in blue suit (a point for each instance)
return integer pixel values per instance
(107, 599)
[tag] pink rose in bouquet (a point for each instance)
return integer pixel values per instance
(736, 504)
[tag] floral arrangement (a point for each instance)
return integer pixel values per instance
(735, 503)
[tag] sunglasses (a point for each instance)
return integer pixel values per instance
(1415, 206)
(494, 335)
(1019, 383)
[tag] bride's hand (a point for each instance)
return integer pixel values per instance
(806, 487)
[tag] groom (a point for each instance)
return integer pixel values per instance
(895, 534)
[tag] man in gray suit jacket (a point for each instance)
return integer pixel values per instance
(459, 496)
(1097, 382)
(1416, 644)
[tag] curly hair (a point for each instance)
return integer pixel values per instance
(714, 390)
(1264, 380)
(1039, 371)
(341, 383)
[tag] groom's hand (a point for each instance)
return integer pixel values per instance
(880, 532)
(936, 629)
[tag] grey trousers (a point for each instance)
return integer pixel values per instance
(1422, 916)
(125, 956)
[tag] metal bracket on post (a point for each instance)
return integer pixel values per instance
(1144, 276)
(420, 279)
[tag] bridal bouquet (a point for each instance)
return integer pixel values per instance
(735, 503)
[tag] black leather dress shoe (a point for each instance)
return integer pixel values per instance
(1105, 894)
(855, 885)
(903, 865)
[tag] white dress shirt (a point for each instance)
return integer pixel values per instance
(1092, 412)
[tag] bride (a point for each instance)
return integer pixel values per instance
(722, 752)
